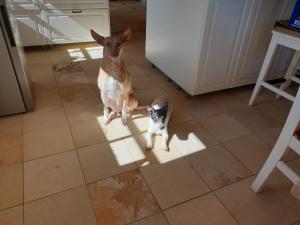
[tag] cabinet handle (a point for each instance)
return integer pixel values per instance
(76, 11)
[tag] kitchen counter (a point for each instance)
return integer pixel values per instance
(211, 45)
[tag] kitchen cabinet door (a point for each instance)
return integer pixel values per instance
(30, 27)
(73, 4)
(256, 40)
(21, 5)
(224, 25)
(67, 26)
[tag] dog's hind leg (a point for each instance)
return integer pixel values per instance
(149, 145)
(128, 106)
(165, 137)
(105, 115)
(112, 115)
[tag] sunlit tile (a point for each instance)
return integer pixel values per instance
(76, 54)
(189, 146)
(122, 156)
(114, 129)
(95, 52)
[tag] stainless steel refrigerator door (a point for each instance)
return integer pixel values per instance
(16, 52)
(11, 100)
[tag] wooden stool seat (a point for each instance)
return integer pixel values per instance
(283, 27)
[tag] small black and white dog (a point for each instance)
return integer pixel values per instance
(160, 113)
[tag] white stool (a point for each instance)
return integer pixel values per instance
(290, 74)
(286, 139)
(288, 38)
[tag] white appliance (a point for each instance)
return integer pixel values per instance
(16, 95)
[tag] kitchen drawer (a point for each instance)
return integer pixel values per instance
(73, 4)
(21, 5)
(68, 26)
(18, 2)
(30, 27)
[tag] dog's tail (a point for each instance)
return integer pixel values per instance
(141, 107)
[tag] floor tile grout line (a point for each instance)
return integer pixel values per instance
(11, 207)
(77, 155)
(23, 173)
(55, 193)
(211, 189)
(149, 216)
(91, 201)
(237, 159)
(48, 156)
(80, 164)
(148, 186)
(228, 211)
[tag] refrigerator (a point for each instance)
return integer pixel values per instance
(16, 94)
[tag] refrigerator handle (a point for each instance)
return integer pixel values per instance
(7, 26)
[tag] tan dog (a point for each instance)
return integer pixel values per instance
(114, 81)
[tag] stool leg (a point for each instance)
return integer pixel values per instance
(290, 72)
(265, 67)
(280, 146)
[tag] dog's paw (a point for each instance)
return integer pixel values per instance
(112, 115)
(105, 120)
(148, 147)
(165, 148)
(124, 121)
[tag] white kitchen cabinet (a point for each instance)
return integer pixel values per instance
(209, 45)
(256, 40)
(22, 5)
(68, 26)
(46, 22)
(30, 27)
(74, 4)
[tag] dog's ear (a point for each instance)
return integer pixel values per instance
(149, 108)
(126, 35)
(97, 37)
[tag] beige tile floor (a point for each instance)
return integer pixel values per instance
(60, 165)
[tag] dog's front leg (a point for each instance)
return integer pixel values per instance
(149, 145)
(165, 137)
(124, 113)
(105, 115)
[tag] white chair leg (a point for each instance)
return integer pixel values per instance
(290, 72)
(265, 67)
(280, 146)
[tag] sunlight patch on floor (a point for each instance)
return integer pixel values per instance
(121, 152)
(95, 52)
(189, 146)
(131, 140)
(76, 54)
